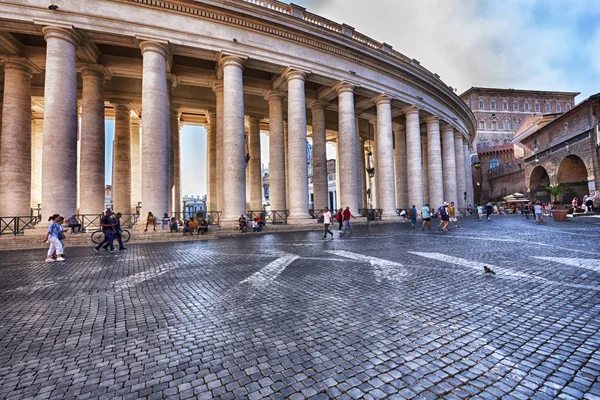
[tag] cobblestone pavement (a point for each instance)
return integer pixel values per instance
(386, 312)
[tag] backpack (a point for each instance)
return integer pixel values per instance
(442, 211)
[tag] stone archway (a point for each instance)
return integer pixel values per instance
(572, 174)
(538, 178)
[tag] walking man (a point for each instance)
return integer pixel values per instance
(413, 215)
(108, 227)
(116, 218)
(347, 214)
(539, 215)
(326, 223)
(489, 208)
(426, 215)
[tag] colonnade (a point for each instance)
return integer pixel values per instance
(154, 178)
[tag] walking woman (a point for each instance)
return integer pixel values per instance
(52, 236)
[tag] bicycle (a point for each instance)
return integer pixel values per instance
(98, 236)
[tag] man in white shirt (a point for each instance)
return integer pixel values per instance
(538, 211)
(326, 223)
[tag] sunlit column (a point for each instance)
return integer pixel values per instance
(319, 157)
(277, 163)
(434, 162)
(414, 169)
(254, 164)
(59, 157)
(121, 187)
(449, 163)
(385, 158)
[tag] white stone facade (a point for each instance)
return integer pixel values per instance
(293, 73)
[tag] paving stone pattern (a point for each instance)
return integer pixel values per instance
(387, 312)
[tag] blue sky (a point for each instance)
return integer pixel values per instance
(523, 44)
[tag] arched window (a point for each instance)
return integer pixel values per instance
(515, 106)
(493, 104)
(537, 107)
(547, 107)
(558, 107)
(567, 107)
(526, 106)
(505, 106)
(481, 124)
(481, 104)
(506, 125)
(517, 124)
(494, 125)
(494, 162)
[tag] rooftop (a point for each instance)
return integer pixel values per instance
(519, 91)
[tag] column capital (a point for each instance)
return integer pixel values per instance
(172, 80)
(317, 105)
(232, 59)
(20, 64)
(69, 35)
(121, 105)
(344, 87)
(274, 95)
(432, 120)
(217, 87)
(398, 127)
(292, 74)
(382, 99)
(410, 110)
(94, 70)
(446, 127)
(136, 121)
(155, 47)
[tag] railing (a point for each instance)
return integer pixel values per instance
(273, 216)
(17, 225)
(91, 222)
(316, 213)
(372, 214)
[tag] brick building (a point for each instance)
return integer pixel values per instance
(499, 114)
(563, 149)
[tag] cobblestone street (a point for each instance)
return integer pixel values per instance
(386, 312)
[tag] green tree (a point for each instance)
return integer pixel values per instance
(555, 191)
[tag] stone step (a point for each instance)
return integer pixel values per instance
(33, 238)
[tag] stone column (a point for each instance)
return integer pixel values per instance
(234, 168)
(400, 170)
(15, 140)
(176, 153)
(364, 176)
(298, 173)
(460, 172)
(374, 182)
(347, 148)
(414, 168)
(37, 139)
(254, 165)
(121, 187)
(212, 160)
(468, 173)
(59, 158)
(319, 143)
(277, 164)
(92, 142)
(338, 190)
(171, 83)
(360, 173)
(287, 165)
(155, 130)
(385, 158)
(218, 89)
(434, 162)
(136, 172)
(425, 170)
(449, 163)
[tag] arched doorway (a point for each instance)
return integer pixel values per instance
(538, 179)
(572, 174)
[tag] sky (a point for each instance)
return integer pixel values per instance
(521, 44)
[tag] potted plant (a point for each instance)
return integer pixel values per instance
(555, 191)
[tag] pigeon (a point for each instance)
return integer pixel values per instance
(488, 271)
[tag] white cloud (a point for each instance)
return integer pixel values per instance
(509, 43)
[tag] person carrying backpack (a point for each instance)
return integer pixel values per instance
(444, 217)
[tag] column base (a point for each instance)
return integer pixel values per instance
(390, 216)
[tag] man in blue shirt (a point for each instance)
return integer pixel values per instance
(426, 215)
(108, 227)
